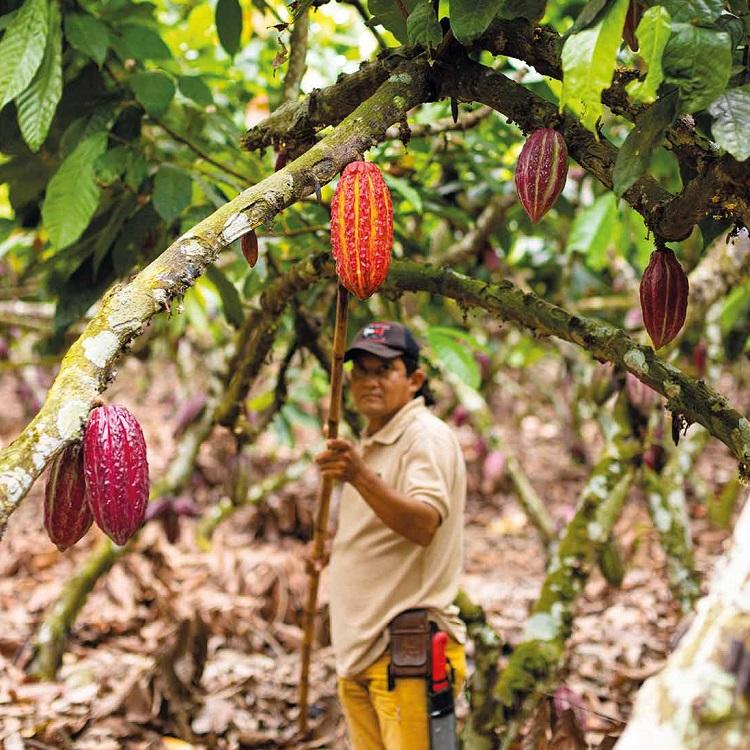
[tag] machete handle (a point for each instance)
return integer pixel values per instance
(439, 666)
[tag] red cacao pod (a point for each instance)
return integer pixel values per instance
(67, 516)
(362, 228)
(632, 19)
(249, 245)
(116, 468)
(664, 297)
(541, 171)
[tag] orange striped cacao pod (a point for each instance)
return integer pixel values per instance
(664, 297)
(541, 171)
(362, 228)
(116, 468)
(67, 516)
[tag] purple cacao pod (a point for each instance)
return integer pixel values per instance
(664, 297)
(641, 396)
(116, 468)
(632, 19)
(67, 516)
(541, 171)
(460, 415)
(493, 467)
(249, 245)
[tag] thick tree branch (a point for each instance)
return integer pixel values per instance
(297, 122)
(88, 366)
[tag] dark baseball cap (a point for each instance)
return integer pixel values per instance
(386, 339)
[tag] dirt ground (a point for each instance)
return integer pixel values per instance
(179, 647)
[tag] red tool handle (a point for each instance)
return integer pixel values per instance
(439, 667)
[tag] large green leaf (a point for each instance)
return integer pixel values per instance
(173, 190)
(230, 298)
(653, 32)
(731, 125)
(588, 59)
(454, 355)
(72, 194)
(229, 25)
(470, 18)
(531, 9)
(88, 35)
(22, 48)
(422, 26)
(37, 104)
(139, 42)
(593, 231)
(635, 154)
(195, 88)
(697, 12)
(698, 61)
(154, 90)
(387, 13)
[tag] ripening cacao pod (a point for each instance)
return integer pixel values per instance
(67, 516)
(632, 19)
(362, 228)
(249, 245)
(541, 171)
(664, 297)
(116, 468)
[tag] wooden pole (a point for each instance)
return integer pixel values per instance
(324, 498)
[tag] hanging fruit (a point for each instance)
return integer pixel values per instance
(362, 228)
(116, 469)
(541, 171)
(664, 297)
(67, 516)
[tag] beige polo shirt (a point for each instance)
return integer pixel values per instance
(376, 573)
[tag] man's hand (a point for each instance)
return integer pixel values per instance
(340, 461)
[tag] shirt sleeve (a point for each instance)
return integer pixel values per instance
(428, 475)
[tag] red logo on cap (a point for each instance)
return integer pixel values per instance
(376, 331)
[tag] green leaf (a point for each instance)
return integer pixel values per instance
(593, 229)
(388, 14)
(230, 298)
(470, 18)
(37, 104)
(229, 25)
(138, 233)
(652, 33)
(22, 48)
(588, 60)
(590, 14)
(88, 35)
(154, 90)
(111, 165)
(72, 193)
(696, 12)
(422, 26)
(136, 172)
(531, 9)
(195, 88)
(698, 61)
(139, 42)
(454, 356)
(731, 125)
(635, 153)
(173, 191)
(405, 190)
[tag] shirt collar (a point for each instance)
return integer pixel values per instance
(392, 430)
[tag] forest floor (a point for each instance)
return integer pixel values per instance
(178, 647)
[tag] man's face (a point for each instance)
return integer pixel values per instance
(380, 387)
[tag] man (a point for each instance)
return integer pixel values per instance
(399, 544)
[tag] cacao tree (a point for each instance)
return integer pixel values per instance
(166, 172)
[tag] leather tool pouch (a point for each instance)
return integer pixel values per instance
(410, 633)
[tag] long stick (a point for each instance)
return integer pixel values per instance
(324, 498)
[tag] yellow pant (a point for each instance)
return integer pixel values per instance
(379, 719)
